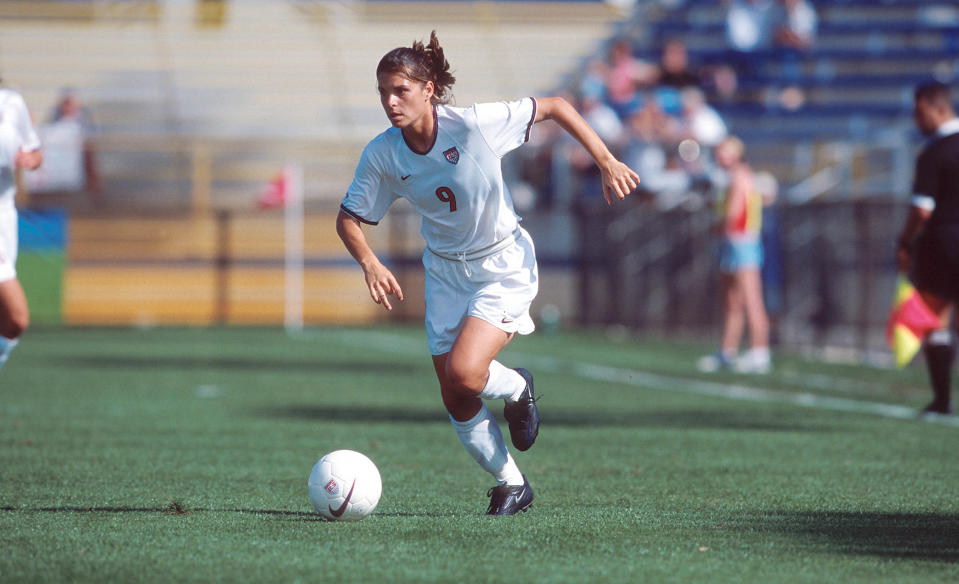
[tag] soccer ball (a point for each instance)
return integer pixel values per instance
(345, 486)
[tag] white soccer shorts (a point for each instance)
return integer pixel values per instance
(498, 288)
(8, 245)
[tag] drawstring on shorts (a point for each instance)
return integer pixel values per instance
(461, 256)
(466, 257)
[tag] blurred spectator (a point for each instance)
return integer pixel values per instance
(797, 25)
(676, 72)
(603, 119)
(700, 129)
(70, 110)
(650, 151)
(610, 128)
(626, 76)
(593, 81)
(673, 75)
(674, 68)
(534, 165)
(750, 28)
(795, 34)
(740, 258)
(700, 121)
(750, 24)
(725, 82)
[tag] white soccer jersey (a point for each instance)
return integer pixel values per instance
(457, 186)
(16, 133)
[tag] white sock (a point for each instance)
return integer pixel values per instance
(940, 337)
(483, 440)
(6, 345)
(503, 383)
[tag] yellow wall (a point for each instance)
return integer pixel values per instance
(144, 271)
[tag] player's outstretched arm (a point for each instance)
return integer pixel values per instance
(379, 280)
(618, 179)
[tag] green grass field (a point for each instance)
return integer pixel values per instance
(182, 455)
(41, 274)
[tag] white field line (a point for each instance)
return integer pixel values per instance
(826, 382)
(397, 344)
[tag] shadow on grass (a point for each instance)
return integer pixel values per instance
(712, 419)
(297, 515)
(228, 364)
(156, 510)
(923, 536)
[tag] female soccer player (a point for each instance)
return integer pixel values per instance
(19, 148)
(481, 273)
(740, 258)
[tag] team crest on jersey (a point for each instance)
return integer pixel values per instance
(452, 155)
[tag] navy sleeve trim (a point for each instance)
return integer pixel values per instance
(357, 217)
(532, 120)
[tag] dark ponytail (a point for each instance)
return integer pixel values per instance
(422, 63)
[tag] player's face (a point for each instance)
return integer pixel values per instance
(726, 155)
(405, 101)
(927, 116)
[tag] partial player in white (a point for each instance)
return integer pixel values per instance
(19, 148)
(481, 273)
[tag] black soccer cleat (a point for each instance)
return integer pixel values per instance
(510, 499)
(522, 415)
(936, 408)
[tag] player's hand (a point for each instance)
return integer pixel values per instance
(382, 284)
(903, 259)
(29, 160)
(618, 180)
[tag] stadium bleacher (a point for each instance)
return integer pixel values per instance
(856, 80)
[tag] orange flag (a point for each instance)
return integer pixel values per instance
(910, 320)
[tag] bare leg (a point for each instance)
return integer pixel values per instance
(752, 292)
(14, 316)
(733, 315)
(464, 371)
(14, 313)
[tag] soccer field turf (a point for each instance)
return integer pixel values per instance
(182, 455)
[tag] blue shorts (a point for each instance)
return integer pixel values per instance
(735, 255)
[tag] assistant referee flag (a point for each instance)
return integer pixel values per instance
(910, 320)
